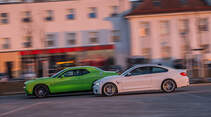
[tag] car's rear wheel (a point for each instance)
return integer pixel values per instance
(41, 91)
(109, 89)
(168, 86)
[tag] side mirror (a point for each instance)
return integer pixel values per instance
(128, 74)
(62, 76)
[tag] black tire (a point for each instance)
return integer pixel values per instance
(109, 89)
(168, 86)
(41, 91)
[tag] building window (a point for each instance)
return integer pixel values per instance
(49, 15)
(93, 37)
(166, 52)
(115, 36)
(27, 42)
(6, 43)
(203, 24)
(50, 40)
(92, 12)
(164, 27)
(184, 30)
(4, 18)
(71, 38)
(146, 52)
(144, 29)
(156, 2)
(184, 2)
(71, 14)
(115, 11)
(27, 17)
(183, 27)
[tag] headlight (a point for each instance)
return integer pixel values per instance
(98, 83)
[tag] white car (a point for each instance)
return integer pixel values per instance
(141, 78)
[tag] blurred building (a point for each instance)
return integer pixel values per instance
(37, 36)
(168, 30)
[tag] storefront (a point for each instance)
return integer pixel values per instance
(10, 64)
(45, 62)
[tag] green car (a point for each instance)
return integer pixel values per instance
(68, 80)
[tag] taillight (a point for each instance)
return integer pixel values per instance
(183, 74)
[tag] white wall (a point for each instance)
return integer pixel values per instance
(175, 40)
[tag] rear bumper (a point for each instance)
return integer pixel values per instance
(184, 82)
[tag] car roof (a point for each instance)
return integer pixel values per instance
(145, 65)
(82, 67)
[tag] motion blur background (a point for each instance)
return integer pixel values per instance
(41, 37)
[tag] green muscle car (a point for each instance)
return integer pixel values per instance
(68, 80)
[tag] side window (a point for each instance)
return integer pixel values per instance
(141, 71)
(69, 73)
(158, 70)
(81, 72)
(84, 71)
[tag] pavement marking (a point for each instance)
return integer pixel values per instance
(21, 108)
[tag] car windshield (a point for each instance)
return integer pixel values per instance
(125, 72)
(57, 74)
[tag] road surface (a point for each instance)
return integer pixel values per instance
(193, 101)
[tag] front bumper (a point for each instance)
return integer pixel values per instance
(97, 90)
(27, 92)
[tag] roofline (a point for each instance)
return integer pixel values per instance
(167, 14)
(14, 3)
(174, 10)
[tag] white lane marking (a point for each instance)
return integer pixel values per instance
(21, 108)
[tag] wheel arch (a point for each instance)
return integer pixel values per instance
(168, 79)
(40, 84)
(110, 83)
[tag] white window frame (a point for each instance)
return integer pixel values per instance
(71, 36)
(93, 36)
(53, 39)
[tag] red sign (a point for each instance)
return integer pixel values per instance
(63, 50)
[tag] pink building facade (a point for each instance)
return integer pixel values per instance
(34, 29)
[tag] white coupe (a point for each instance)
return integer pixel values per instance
(141, 78)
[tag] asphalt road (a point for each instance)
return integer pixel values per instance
(193, 101)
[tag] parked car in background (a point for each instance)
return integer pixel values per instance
(3, 77)
(116, 68)
(141, 78)
(133, 60)
(179, 64)
(28, 75)
(68, 80)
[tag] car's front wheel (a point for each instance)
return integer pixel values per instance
(109, 89)
(168, 86)
(41, 91)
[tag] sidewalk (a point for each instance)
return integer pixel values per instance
(11, 87)
(199, 80)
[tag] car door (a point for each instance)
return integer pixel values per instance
(86, 79)
(68, 81)
(137, 79)
(158, 75)
(90, 76)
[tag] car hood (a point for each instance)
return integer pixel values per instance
(38, 80)
(108, 78)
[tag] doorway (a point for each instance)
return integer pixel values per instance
(9, 66)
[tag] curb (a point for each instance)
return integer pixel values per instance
(201, 84)
(11, 93)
